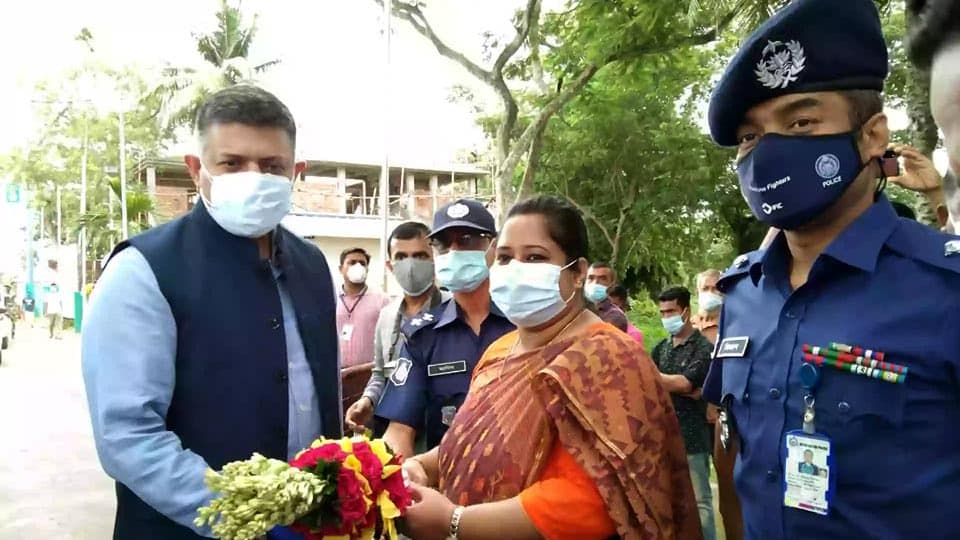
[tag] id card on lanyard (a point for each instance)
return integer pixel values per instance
(808, 475)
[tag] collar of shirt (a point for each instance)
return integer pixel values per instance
(858, 246)
(451, 312)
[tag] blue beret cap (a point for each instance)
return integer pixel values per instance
(809, 46)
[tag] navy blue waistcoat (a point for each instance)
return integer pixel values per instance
(231, 395)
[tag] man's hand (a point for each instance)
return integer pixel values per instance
(918, 173)
(415, 472)
(359, 414)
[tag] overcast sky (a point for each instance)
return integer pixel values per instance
(332, 72)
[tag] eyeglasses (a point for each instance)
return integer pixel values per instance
(463, 241)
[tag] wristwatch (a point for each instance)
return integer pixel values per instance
(455, 523)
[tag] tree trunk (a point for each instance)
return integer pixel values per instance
(923, 130)
(533, 163)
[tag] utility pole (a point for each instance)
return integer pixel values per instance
(83, 210)
(123, 179)
(385, 168)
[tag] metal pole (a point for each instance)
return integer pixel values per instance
(83, 210)
(385, 169)
(123, 180)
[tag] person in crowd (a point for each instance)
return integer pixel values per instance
(443, 346)
(600, 278)
(683, 359)
(53, 304)
(411, 262)
(618, 296)
(357, 309)
(934, 46)
(548, 442)
(801, 100)
(709, 301)
(212, 337)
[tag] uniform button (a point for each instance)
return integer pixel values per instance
(771, 475)
(275, 323)
(774, 393)
(304, 408)
(281, 377)
(791, 315)
(843, 407)
(746, 397)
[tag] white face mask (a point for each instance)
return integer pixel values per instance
(357, 273)
(248, 203)
(528, 293)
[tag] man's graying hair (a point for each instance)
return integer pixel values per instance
(247, 105)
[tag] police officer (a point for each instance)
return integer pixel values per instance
(840, 337)
(436, 363)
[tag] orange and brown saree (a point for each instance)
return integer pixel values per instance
(595, 397)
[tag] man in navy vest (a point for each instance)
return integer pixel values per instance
(213, 336)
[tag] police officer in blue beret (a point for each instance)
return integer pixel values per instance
(435, 366)
(839, 341)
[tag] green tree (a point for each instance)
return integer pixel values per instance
(70, 121)
(225, 53)
(552, 57)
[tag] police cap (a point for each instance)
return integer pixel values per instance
(809, 46)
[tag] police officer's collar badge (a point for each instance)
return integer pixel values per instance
(951, 247)
(780, 64)
(458, 210)
(400, 374)
(427, 317)
(416, 322)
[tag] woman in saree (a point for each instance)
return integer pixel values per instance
(566, 432)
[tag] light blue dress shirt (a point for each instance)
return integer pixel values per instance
(129, 351)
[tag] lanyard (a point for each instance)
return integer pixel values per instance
(350, 309)
(809, 379)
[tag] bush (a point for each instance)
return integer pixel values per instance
(645, 315)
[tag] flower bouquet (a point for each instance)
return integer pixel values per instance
(352, 488)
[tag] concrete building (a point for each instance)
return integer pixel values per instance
(336, 204)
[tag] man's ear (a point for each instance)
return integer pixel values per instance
(874, 138)
(193, 167)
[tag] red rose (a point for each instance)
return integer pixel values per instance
(327, 452)
(399, 494)
(370, 466)
(353, 509)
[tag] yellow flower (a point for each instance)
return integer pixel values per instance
(379, 449)
(388, 510)
(367, 534)
(389, 529)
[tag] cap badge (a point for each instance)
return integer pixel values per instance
(951, 248)
(458, 210)
(779, 68)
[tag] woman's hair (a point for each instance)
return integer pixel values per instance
(564, 223)
(937, 23)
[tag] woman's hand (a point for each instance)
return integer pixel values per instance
(428, 518)
(415, 473)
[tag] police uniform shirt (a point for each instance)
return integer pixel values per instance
(435, 367)
(887, 284)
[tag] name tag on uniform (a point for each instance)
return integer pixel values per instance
(346, 332)
(808, 472)
(734, 347)
(448, 368)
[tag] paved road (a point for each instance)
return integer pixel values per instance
(51, 484)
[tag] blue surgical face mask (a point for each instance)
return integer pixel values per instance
(462, 271)
(248, 203)
(673, 325)
(595, 292)
(528, 293)
(789, 180)
(710, 301)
